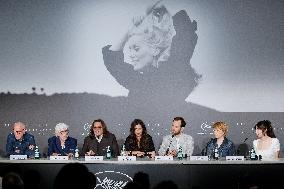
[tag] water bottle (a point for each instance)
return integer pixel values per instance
(76, 153)
(36, 152)
(123, 152)
(179, 155)
(216, 153)
(108, 153)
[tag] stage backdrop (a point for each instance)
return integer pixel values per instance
(76, 61)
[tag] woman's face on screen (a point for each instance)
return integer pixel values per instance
(138, 53)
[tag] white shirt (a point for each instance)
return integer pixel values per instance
(99, 139)
(270, 153)
(184, 140)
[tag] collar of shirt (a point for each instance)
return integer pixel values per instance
(99, 138)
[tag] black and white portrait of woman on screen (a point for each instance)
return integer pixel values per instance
(153, 58)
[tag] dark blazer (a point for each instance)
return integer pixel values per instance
(146, 145)
(227, 148)
(54, 146)
(109, 139)
(22, 145)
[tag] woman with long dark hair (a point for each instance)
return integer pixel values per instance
(139, 142)
(267, 145)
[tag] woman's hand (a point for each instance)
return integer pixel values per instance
(138, 153)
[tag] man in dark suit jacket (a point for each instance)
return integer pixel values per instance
(99, 139)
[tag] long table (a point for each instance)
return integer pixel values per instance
(185, 173)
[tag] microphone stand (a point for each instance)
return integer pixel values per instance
(167, 151)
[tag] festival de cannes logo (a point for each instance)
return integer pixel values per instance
(111, 180)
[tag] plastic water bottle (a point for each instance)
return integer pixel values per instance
(123, 152)
(108, 153)
(216, 153)
(179, 155)
(76, 153)
(36, 152)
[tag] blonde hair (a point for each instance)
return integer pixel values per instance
(156, 33)
(222, 126)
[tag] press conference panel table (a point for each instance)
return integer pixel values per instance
(185, 173)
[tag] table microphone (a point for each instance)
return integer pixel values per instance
(167, 151)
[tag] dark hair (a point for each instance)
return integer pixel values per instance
(142, 179)
(12, 181)
(137, 122)
(143, 140)
(183, 123)
(132, 185)
(167, 184)
(105, 131)
(75, 174)
(266, 127)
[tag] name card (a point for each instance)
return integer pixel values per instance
(126, 158)
(58, 158)
(164, 158)
(94, 158)
(199, 158)
(18, 157)
(235, 158)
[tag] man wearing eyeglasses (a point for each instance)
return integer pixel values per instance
(19, 142)
(99, 139)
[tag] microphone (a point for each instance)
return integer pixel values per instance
(167, 151)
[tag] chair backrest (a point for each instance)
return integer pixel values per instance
(243, 150)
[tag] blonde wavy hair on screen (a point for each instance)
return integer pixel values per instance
(157, 31)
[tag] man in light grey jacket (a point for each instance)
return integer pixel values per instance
(171, 143)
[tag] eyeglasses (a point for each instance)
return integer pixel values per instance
(97, 127)
(65, 131)
(18, 132)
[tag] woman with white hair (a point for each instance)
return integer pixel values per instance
(61, 143)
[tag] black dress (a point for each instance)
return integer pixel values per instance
(146, 144)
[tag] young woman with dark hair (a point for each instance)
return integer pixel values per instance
(267, 145)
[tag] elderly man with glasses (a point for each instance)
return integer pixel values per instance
(19, 142)
(61, 143)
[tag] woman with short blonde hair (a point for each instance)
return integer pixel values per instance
(224, 146)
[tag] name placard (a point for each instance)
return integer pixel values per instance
(94, 158)
(164, 158)
(18, 157)
(198, 158)
(58, 158)
(235, 158)
(126, 158)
